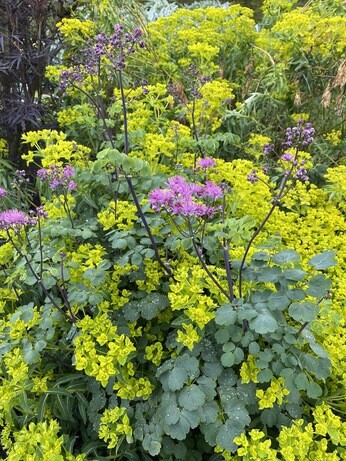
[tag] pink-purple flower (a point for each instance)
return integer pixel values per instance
(15, 219)
(206, 162)
(186, 198)
(3, 192)
(58, 176)
(287, 157)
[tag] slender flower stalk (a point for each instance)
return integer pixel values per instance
(116, 48)
(38, 278)
(296, 137)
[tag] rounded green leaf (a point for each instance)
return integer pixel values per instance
(303, 312)
(286, 256)
(264, 323)
(177, 378)
(227, 359)
(313, 390)
(319, 286)
(323, 260)
(191, 397)
(301, 381)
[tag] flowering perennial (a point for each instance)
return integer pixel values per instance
(15, 219)
(114, 48)
(58, 176)
(186, 198)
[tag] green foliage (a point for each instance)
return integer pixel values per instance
(131, 333)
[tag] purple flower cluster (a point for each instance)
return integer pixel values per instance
(186, 198)
(115, 47)
(252, 177)
(302, 174)
(15, 219)
(3, 192)
(58, 176)
(206, 162)
(287, 157)
(300, 135)
(268, 148)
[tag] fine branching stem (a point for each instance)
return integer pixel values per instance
(206, 268)
(275, 203)
(164, 266)
(38, 279)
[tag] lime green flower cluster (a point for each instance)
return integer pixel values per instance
(154, 353)
(13, 384)
(99, 350)
(275, 393)
(3, 147)
(334, 137)
(249, 370)
(78, 115)
(114, 426)
(196, 38)
(52, 148)
(189, 337)
(336, 178)
(86, 256)
(120, 215)
(130, 388)
(329, 424)
(254, 199)
(299, 442)
(153, 274)
(309, 33)
(256, 144)
(252, 448)
(187, 293)
(76, 31)
(38, 442)
(57, 207)
(208, 110)
(295, 441)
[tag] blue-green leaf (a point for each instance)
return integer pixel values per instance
(225, 315)
(286, 256)
(269, 274)
(177, 378)
(303, 312)
(172, 414)
(323, 260)
(313, 390)
(227, 359)
(301, 381)
(264, 323)
(191, 397)
(294, 274)
(278, 301)
(319, 286)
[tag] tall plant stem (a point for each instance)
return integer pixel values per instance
(164, 266)
(205, 267)
(39, 280)
(276, 202)
(225, 251)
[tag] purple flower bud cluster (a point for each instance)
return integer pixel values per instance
(3, 192)
(300, 135)
(58, 176)
(287, 157)
(302, 174)
(252, 177)
(15, 219)
(268, 148)
(115, 47)
(186, 198)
